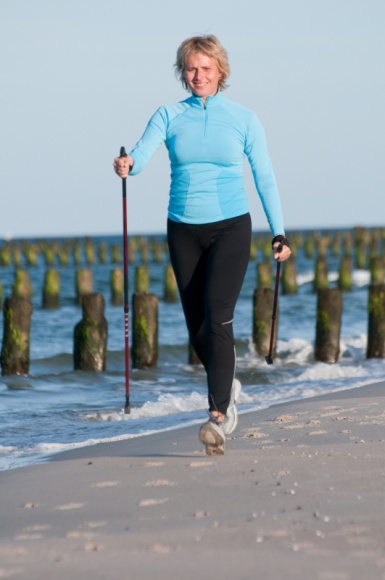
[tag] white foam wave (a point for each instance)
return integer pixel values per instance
(324, 371)
(305, 278)
(57, 447)
(7, 448)
(295, 351)
(360, 278)
(165, 404)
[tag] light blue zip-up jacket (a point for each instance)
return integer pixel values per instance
(207, 144)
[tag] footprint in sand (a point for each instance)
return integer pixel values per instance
(284, 419)
(159, 483)
(75, 534)
(253, 434)
(30, 505)
(9, 572)
(28, 537)
(37, 528)
(91, 547)
(70, 506)
(93, 525)
(160, 549)
(201, 514)
(152, 502)
(13, 551)
(106, 484)
(200, 463)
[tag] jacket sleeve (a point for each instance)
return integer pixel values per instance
(264, 179)
(153, 136)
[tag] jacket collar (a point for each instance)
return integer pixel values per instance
(213, 101)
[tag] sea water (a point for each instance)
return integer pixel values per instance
(55, 408)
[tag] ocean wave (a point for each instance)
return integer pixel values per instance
(360, 278)
(165, 404)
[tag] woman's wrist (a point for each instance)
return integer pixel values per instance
(281, 239)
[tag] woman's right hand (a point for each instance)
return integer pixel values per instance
(123, 166)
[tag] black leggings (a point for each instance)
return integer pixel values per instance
(210, 262)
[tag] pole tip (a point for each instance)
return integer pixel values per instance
(127, 407)
(269, 359)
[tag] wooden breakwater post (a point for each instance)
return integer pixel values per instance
(263, 301)
(51, 289)
(21, 287)
(144, 351)
(117, 286)
(336, 245)
(328, 325)
(142, 279)
(361, 238)
(144, 249)
(132, 249)
(77, 253)
(264, 275)
(253, 250)
(17, 255)
(83, 284)
(90, 335)
(31, 253)
(345, 279)
(64, 255)
(376, 322)
(103, 253)
(50, 252)
(170, 286)
(16, 338)
(115, 254)
(377, 270)
(320, 274)
(309, 246)
(5, 255)
(157, 251)
(89, 250)
(289, 278)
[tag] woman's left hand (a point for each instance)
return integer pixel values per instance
(281, 252)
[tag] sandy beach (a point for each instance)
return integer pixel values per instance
(298, 494)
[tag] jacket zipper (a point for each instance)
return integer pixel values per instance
(205, 121)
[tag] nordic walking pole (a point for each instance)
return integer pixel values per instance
(269, 357)
(127, 408)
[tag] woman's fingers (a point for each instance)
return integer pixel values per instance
(121, 166)
(281, 252)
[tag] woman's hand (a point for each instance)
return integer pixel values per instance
(280, 247)
(123, 166)
(281, 252)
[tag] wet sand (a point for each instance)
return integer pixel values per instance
(299, 494)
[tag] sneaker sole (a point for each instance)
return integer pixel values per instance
(212, 440)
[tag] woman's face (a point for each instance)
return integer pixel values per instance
(202, 75)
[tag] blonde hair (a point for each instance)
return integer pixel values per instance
(206, 44)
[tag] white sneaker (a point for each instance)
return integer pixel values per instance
(231, 419)
(212, 436)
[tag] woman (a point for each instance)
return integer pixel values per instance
(209, 226)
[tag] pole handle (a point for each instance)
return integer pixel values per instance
(123, 152)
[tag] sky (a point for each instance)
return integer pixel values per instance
(81, 78)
